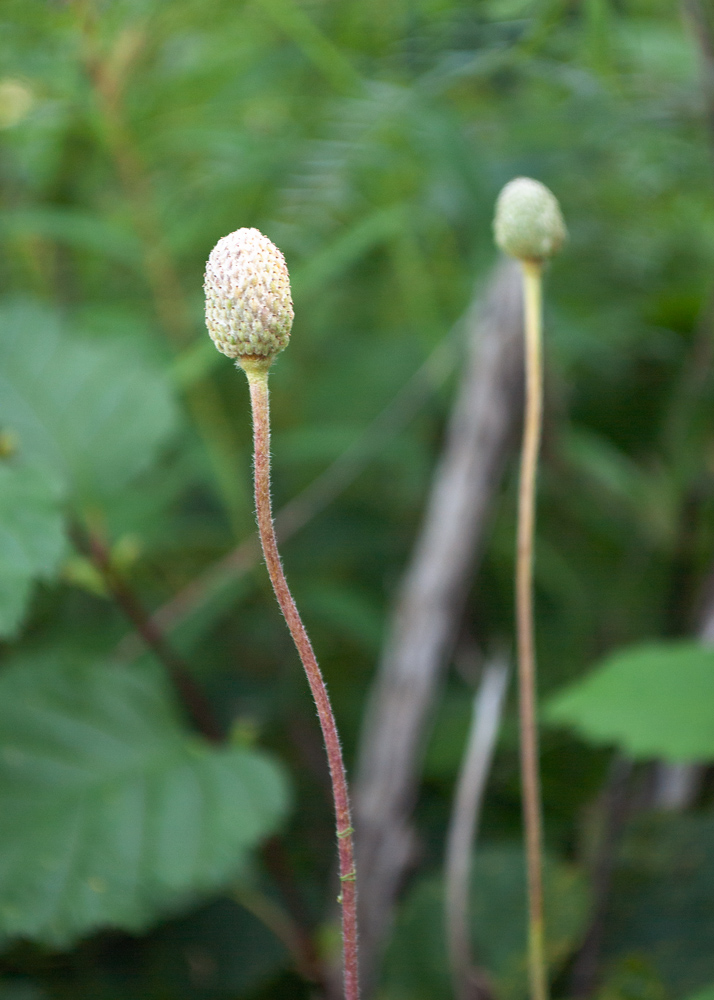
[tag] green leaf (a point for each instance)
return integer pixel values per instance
(706, 994)
(89, 411)
(655, 700)
(32, 539)
(661, 908)
(241, 952)
(110, 815)
(76, 228)
(417, 965)
(21, 989)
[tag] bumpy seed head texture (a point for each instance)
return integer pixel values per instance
(249, 309)
(528, 223)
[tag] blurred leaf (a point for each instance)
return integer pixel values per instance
(221, 947)
(417, 964)
(649, 499)
(662, 905)
(350, 246)
(632, 978)
(655, 700)
(109, 814)
(347, 611)
(83, 230)
(88, 411)
(21, 989)
(32, 540)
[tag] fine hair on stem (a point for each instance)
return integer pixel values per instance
(258, 382)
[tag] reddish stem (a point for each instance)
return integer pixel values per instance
(258, 381)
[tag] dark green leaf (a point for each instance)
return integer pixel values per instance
(31, 537)
(88, 411)
(109, 814)
(417, 964)
(661, 906)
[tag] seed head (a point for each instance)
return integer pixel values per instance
(528, 223)
(249, 309)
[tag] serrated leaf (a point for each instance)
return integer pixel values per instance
(654, 700)
(110, 815)
(32, 539)
(89, 411)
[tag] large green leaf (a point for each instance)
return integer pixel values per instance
(655, 700)
(31, 537)
(417, 966)
(110, 814)
(88, 410)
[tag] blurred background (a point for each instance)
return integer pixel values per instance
(165, 822)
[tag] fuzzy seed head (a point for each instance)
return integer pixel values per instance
(249, 309)
(528, 224)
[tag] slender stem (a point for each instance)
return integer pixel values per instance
(258, 382)
(189, 693)
(470, 981)
(277, 920)
(524, 614)
(318, 494)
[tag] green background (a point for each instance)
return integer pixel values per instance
(368, 140)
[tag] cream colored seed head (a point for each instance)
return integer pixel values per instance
(249, 309)
(528, 224)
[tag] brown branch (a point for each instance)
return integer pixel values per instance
(279, 867)
(277, 920)
(189, 693)
(426, 619)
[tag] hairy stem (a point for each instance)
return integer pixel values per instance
(258, 382)
(524, 615)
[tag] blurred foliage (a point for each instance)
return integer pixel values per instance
(369, 141)
(111, 813)
(416, 965)
(661, 913)
(655, 700)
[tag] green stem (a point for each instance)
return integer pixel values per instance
(257, 372)
(530, 778)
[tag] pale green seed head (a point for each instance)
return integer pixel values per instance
(249, 309)
(528, 223)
